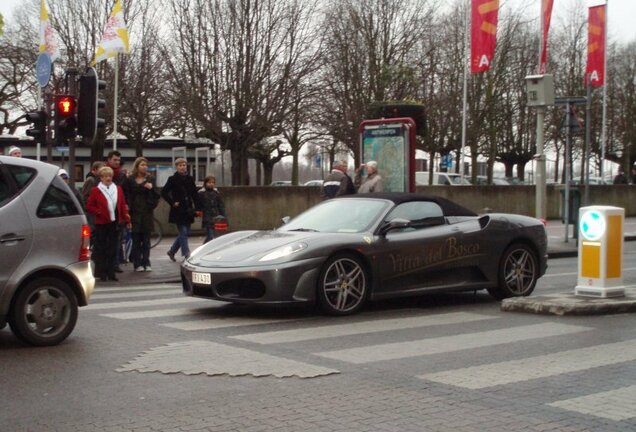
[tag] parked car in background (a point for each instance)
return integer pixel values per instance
(44, 250)
(314, 183)
(496, 181)
(440, 178)
(281, 183)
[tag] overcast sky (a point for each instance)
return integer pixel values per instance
(620, 21)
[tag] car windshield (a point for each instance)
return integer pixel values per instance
(339, 216)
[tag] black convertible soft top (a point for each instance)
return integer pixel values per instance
(448, 207)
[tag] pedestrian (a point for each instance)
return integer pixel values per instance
(372, 182)
(108, 204)
(142, 199)
(15, 151)
(113, 160)
(620, 177)
(91, 181)
(338, 182)
(211, 205)
(180, 193)
(64, 176)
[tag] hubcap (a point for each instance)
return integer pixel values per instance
(520, 271)
(344, 284)
(47, 311)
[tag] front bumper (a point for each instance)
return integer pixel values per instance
(291, 282)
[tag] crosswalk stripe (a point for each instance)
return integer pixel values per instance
(447, 344)
(216, 323)
(143, 287)
(615, 405)
(109, 296)
(141, 303)
(360, 327)
(157, 313)
(508, 372)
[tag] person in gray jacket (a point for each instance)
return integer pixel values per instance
(372, 182)
(338, 182)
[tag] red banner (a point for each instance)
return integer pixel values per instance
(596, 28)
(483, 35)
(546, 11)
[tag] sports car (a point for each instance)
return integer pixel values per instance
(345, 251)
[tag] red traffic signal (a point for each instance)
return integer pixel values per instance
(65, 105)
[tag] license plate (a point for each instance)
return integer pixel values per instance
(201, 278)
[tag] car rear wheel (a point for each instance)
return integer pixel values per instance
(44, 312)
(343, 285)
(518, 272)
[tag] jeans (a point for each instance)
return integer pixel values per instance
(181, 241)
(209, 234)
(140, 253)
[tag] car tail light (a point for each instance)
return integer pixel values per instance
(85, 249)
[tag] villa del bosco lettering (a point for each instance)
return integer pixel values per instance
(448, 251)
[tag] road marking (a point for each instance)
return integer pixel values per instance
(216, 323)
(576, 273)
(109, 296)
(142, 303)
(210, 358)
(157, 313)
(614, 404)
(445, 344)
(130, 288)
(508, 372)
(360, 327)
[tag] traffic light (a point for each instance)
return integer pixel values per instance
(65, 120)
(38, 131)
(89, 104)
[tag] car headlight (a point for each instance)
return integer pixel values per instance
(284, 251)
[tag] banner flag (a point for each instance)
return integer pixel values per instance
(48, 35)
(483, 34)
(596, 30)
(546, 16)
(115, 37)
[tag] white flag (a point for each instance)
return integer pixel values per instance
(115, 37)
(48, 35)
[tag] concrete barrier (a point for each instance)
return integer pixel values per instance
(262, 207)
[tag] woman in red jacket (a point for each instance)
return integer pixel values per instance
(107, 203)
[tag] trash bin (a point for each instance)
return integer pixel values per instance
(573, 206)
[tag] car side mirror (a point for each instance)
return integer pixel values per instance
(285, 220)
(393, 224)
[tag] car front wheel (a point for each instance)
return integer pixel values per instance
(343, 285)
(44, 312)
(518, 272)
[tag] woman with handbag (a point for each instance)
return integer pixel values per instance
(142, 199)
(108, 204)
(180, 193)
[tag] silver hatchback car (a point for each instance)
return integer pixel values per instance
(45, 271)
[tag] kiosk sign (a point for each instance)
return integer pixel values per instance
(43, 69)
(391, 143)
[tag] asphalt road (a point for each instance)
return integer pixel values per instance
(145, 358)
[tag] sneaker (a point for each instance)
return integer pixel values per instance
(148, 269)
(139, 269)
(171, 256)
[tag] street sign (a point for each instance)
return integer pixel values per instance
(62, 149)
(43, 69)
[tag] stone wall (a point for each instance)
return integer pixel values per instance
(262, 207)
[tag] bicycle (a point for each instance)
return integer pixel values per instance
(155, 238)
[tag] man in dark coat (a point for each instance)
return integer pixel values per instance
(180, 193)
(338, 181)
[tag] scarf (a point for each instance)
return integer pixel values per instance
(110, 193)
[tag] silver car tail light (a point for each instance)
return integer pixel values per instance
(85, 250)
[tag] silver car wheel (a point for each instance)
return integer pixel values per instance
(520, 271)
(44, 312)
(343, 285)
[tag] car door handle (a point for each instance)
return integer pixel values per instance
(11, 238)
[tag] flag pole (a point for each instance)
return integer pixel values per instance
(115, 101)
(465, 95)
(605, 81)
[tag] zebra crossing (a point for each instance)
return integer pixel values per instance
(254, 345)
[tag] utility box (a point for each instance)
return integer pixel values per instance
(540, 90)
(600, 252)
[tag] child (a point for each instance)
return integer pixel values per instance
(211, 205)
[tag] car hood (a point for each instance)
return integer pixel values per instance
(245, 249)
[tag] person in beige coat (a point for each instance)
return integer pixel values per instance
(372, 182)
